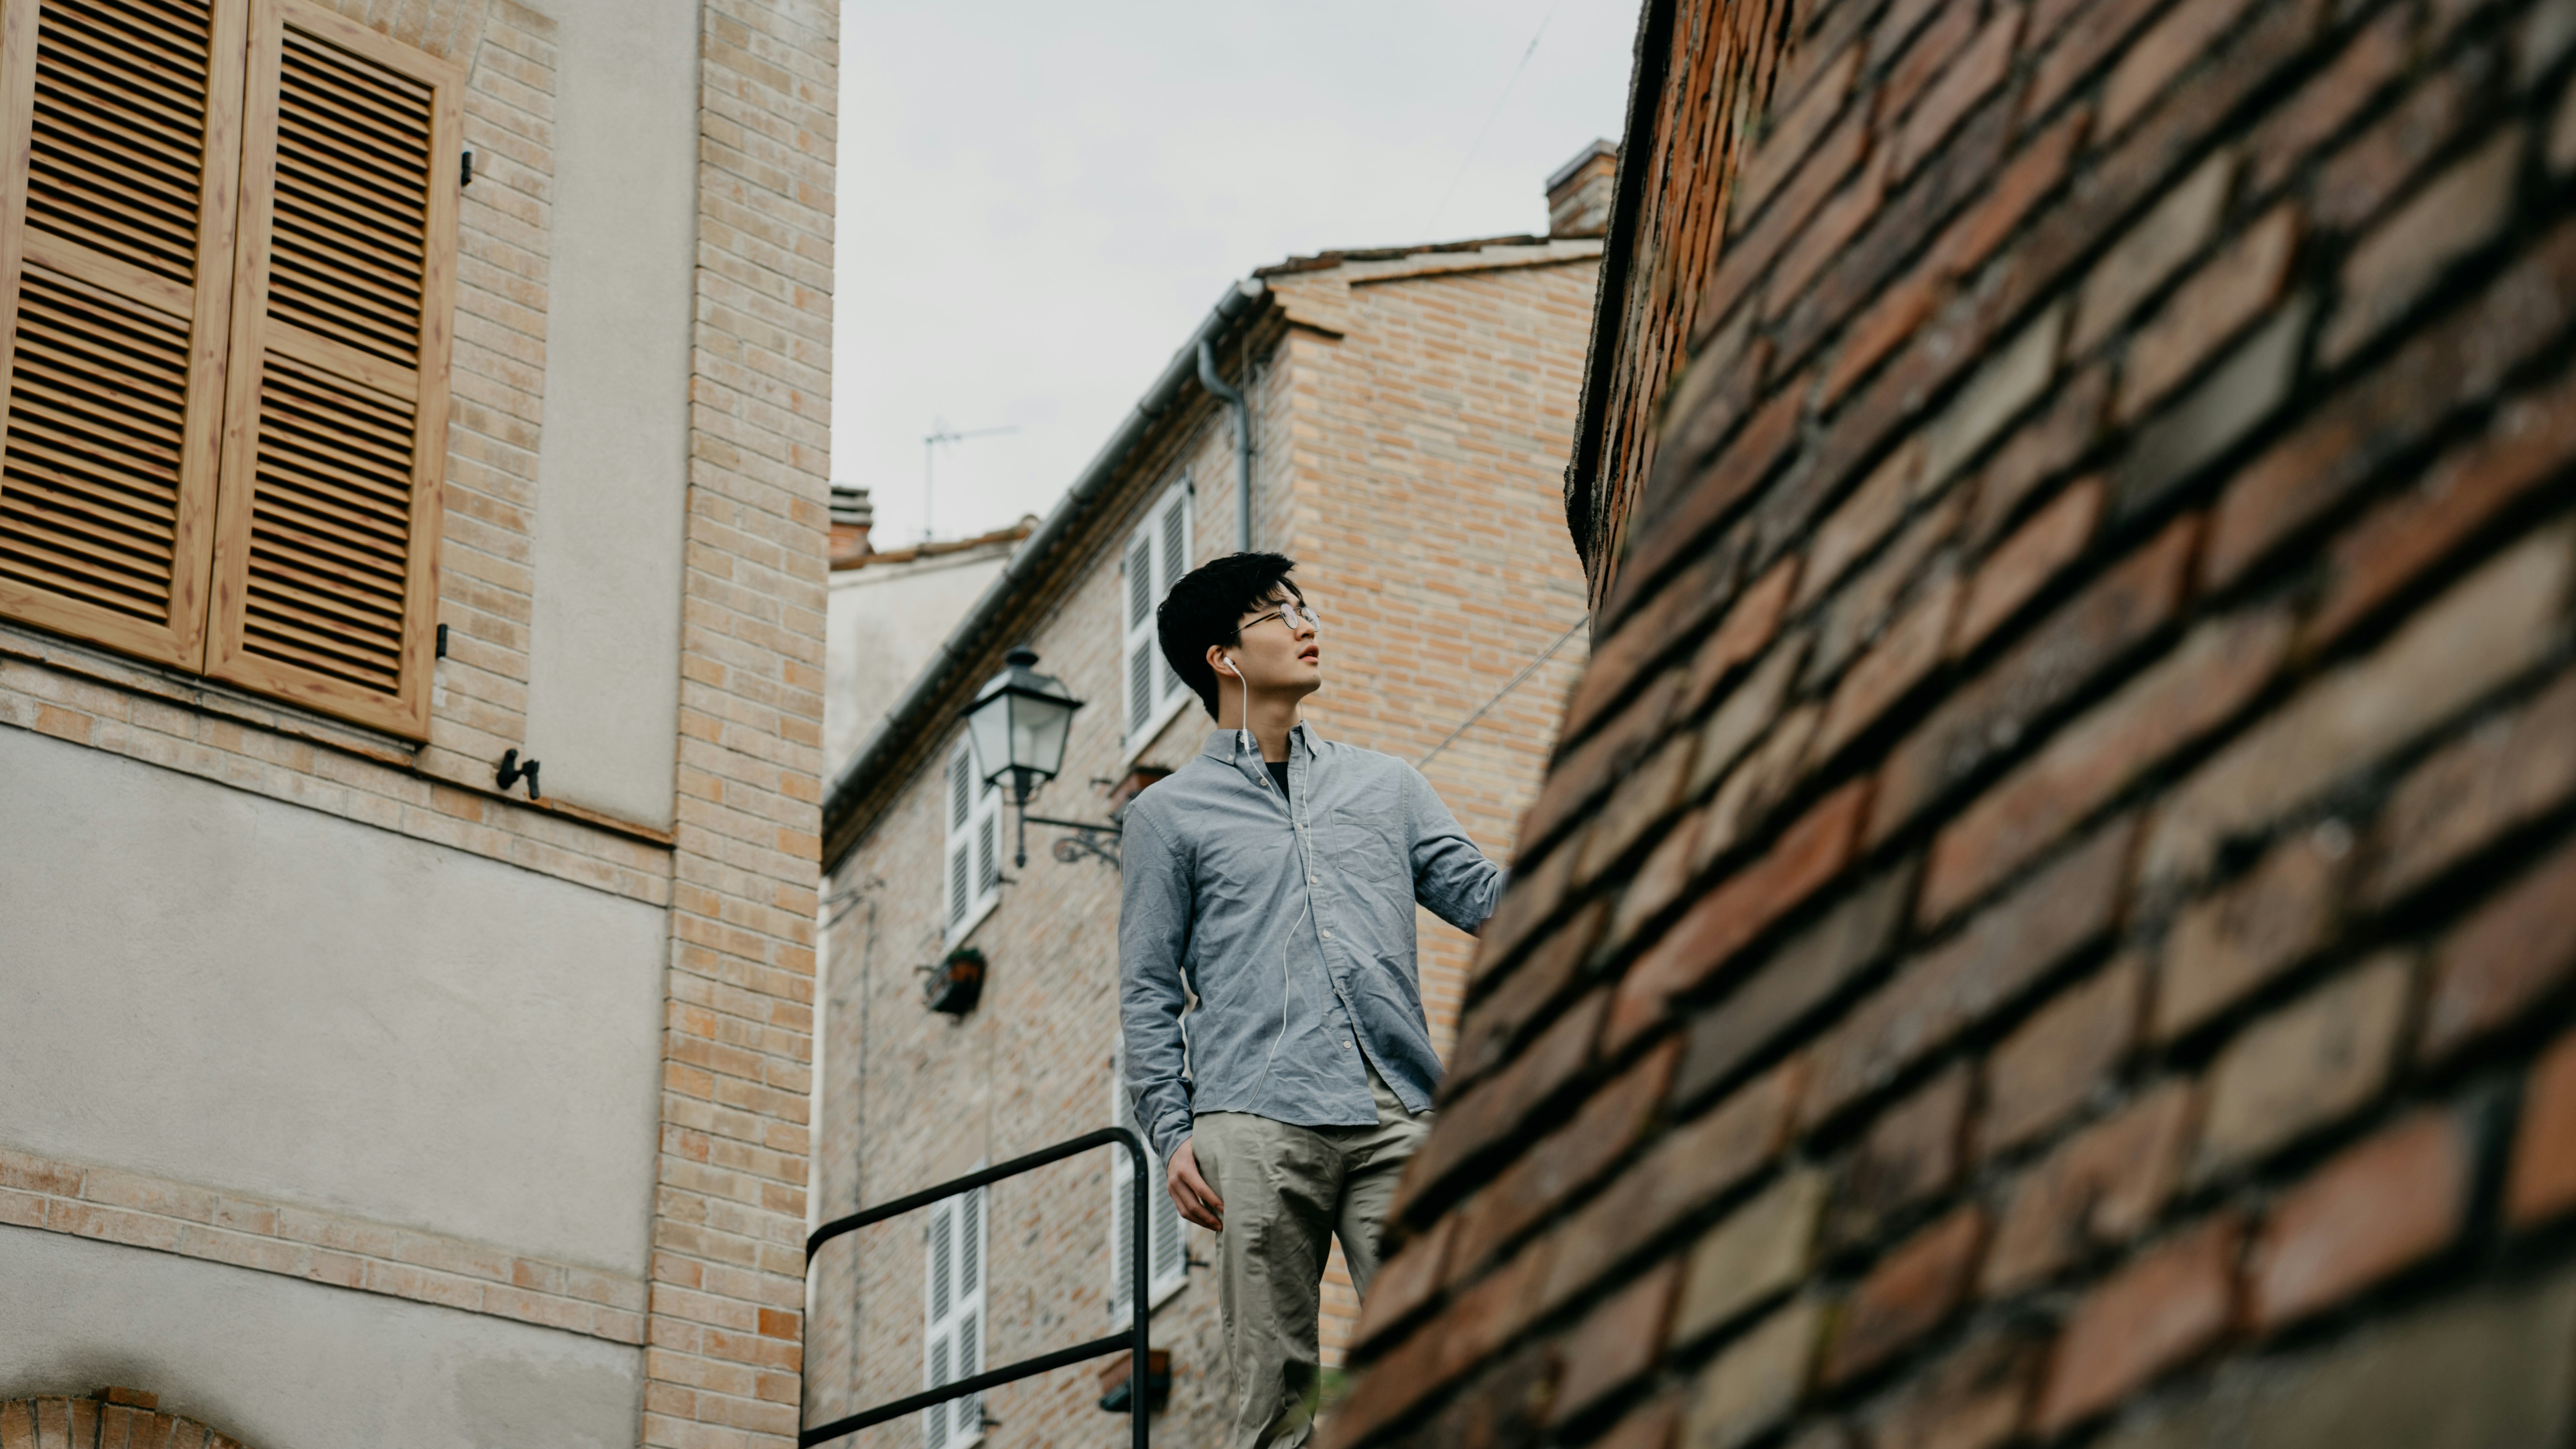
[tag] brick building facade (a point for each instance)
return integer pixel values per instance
(2052, 914)
(358, 1096)
(1411, 410)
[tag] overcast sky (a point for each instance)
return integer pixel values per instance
(1038, 201)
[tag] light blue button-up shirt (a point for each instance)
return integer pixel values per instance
(1292, 922)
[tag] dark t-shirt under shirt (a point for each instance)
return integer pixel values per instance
(1279, 772)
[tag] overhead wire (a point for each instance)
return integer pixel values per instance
(1431, 228)
(1526, 671)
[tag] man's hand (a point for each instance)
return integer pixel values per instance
(1190, 1192)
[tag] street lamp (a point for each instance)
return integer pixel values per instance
(1017, 727)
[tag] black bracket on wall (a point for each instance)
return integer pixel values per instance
(465, 171)
(512, 771)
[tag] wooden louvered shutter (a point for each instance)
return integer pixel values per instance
(335, 430)
(117, 205)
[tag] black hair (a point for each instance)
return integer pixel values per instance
(1207, 607)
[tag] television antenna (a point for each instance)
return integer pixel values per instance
(941, 433)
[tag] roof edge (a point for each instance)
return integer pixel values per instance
(860, 788)
(1648, 64)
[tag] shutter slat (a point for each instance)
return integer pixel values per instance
(79, 535)
(1140, 686)
(118, 194)
(82, 566)
(1140, 582)
(969, 1408)
(1122, 1243)
(94, 447)
(114, 524)
(1168, 1245)
(934, 1420)
(361, 91)
(355, 637)
(119, 130)
(339, 105)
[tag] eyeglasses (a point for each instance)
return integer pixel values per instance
(1291, 615)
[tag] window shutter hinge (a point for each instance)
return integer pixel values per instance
(513, 770)
(465, 171)
(442, 641)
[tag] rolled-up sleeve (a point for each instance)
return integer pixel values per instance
(1451, 877)
(1153, 933)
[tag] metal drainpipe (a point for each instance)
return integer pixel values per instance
(1242, 444)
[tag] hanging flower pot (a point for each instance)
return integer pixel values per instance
(957, 982)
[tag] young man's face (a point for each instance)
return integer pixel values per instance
(1279, 650)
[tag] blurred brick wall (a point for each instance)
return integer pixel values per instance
(2052, 917)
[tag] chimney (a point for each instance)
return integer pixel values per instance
(1578, 195)
(852, 516)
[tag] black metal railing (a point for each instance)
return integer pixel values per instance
(1135, 1340)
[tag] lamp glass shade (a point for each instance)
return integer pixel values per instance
(1018, 724)
(1039, 726)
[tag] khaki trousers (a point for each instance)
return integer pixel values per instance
(1287, 1192)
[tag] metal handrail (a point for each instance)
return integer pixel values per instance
(1136, 1340)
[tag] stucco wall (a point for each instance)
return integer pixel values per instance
(209, 985)
(612, 469)
(280, 1364)
(885, 622)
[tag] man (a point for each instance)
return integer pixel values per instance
(1274, 877)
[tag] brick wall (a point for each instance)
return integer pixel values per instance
(2051, 919)
(724, 1328)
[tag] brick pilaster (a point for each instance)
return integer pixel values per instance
(725, 1319)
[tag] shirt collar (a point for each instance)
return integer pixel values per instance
(1220, 743)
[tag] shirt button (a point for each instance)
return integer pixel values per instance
(1328, 935)
(1310, 880)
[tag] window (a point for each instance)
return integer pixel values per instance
(224, 336)
(952, 1300)
(1158, 553)
(1170, 1248)
(974, 811)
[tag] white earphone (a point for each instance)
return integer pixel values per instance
(1243, 726)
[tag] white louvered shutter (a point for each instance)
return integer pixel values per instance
(973, 811)
(953, 1318)
(1158, 553)
(1167, 1246)
(1140, 650)
(961, 815)
(988, 840)
(1172, 555)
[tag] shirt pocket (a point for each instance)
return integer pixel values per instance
(1362, 839)
(1243, 868)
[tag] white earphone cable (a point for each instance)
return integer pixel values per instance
(1243, 742)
